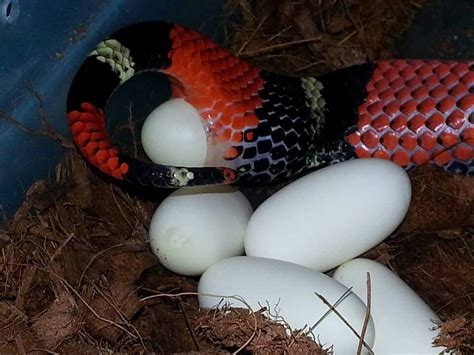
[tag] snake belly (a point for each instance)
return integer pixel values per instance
(271, 127)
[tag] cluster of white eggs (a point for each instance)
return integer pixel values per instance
(315, 224)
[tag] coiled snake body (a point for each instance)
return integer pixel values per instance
(269, 126)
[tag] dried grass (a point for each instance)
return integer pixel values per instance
(457, 335)
(311, 37)
(232, 328)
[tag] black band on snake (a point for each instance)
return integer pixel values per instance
(273, 127)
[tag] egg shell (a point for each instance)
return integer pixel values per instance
(195, 227)
(288, 290)
(332, 215)
(403, 322)
(173, 134)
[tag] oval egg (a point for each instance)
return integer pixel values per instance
(173, 134)
(288, 290)
(332, 215)
(403, 322)
(195, 227)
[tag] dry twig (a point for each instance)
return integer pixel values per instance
(332, 308)
(367, 315)
(276, 47)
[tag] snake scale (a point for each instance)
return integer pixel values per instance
(271, 127)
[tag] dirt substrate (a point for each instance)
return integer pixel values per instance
(76, 272)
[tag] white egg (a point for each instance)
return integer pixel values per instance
(173, 134)
(403, 322)
(195, 227)
(288, 290)
(331, 215)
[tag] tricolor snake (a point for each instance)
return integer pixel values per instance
(270, 127)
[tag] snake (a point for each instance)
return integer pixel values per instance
(270, 127)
